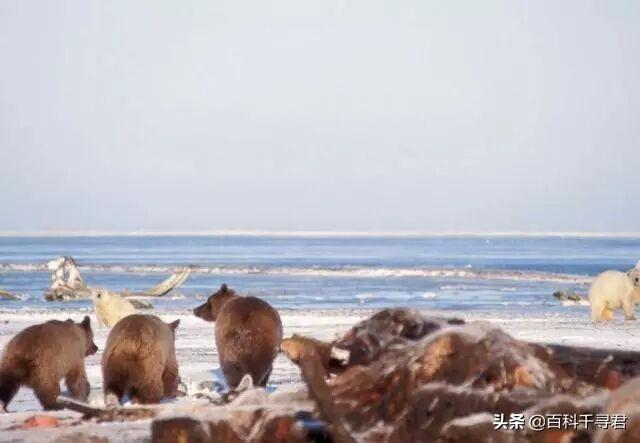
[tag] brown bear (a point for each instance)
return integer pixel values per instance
(41, 355)
(248, 333)
(139, 360)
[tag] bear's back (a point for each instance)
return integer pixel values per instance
(140, 336)
(55, 342)
(247, 325)
(611, 283)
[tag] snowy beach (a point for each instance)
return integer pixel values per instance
(387, 222)
(198, 357)
(321, 287)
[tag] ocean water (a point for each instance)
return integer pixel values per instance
(492, 274)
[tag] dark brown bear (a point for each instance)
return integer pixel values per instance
(139, 360)
(248, 333)
(41, 355)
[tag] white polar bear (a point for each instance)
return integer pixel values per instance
(613, 290)
(110, 307)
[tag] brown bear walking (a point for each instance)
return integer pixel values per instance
(41, 355)
(248, 333)
(139, 360)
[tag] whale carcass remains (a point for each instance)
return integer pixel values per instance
(402, 376)
(68, 284)
(413, 378)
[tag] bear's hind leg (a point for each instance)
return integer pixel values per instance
(149, 393)
(607, 314)
(596, 314)
(233, 373)
(116, 382)
(77, 383)
(47, 391)
(170, 379)
(9, 385)
(600, 313)
(628, 308)
(114, 391)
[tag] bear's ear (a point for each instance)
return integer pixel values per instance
(224, 288)
(86, 322)
(174, 325)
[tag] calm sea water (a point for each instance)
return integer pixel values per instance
(489, 274)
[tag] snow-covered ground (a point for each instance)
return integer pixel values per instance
(198, 358)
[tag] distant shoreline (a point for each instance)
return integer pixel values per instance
(318, 234)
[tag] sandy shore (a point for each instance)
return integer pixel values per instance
(198, 358)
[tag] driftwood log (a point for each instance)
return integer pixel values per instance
(107, 414)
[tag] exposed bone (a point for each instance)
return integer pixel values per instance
(168, 285)
(67, 282)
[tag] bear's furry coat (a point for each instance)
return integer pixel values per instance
(139, 360)
(248, 333)
(41, 355)
(110, 307)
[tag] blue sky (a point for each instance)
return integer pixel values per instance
(332, 115)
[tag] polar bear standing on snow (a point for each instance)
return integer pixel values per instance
(110, 307)
(613, 290)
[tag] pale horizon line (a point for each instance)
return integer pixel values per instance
(317, 233)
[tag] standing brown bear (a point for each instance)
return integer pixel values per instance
(139, 360)
(41, 355)
(248, 333)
